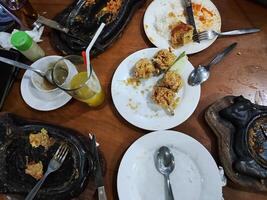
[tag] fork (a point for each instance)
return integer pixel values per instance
(211, 34)
(54, 164)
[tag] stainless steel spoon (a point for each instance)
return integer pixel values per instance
(165, 165)
(201, 73)
(47, 75)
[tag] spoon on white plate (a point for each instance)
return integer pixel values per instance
(165, 165)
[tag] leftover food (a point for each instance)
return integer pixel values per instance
(172, 81)
(171, 23)
(164, 59)
(164, 97)
(181, 34)
(34, 169)
(41, 139)
(164, 92)
(144, 68)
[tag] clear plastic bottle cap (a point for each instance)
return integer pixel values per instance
(21, 40)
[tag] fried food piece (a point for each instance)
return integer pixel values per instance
(113, 6)
(34, 169)
(181, 34)
(144, 68)
(164, 97)
(164, 59)
(172, 81)
(41, 139)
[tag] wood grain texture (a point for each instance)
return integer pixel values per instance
(237, 74)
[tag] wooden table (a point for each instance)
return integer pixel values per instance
(244, 72)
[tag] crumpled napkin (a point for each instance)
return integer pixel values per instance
(5, 40)
(34, 33)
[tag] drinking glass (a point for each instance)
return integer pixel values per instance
(70, 74)
(23, 6)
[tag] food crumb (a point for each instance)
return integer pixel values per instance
(171, 14)
(135, 82)
(239, 53)
(132, 105)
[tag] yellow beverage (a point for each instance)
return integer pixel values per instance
(91, 96)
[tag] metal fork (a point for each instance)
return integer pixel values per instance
(211, 34)
(54, 164)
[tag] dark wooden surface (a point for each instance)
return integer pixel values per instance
(237, 74)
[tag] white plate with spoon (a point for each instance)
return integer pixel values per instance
(195, 175)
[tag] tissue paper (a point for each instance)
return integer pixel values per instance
(34, 33)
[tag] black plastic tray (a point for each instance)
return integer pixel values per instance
(86, 29)
(68, 182)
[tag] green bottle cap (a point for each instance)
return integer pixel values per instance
(21, 40)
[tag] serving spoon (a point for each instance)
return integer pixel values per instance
(165, 165)
(46, 75)
(202, 73)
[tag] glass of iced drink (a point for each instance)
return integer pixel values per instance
(71, 75)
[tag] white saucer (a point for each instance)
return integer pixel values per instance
(43, 101)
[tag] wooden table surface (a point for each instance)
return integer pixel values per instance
(244, 72)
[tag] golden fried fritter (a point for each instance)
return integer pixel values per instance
(171, 80)
(144, 68)
(163, 97)
(164, 59)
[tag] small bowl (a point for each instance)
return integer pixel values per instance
(44, 64)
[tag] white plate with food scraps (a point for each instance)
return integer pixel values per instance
(134, 103)
(195, 176)
(161, 14)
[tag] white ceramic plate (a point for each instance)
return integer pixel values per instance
(135, 104)
(38, 100)
(160, 14)
(195, 176)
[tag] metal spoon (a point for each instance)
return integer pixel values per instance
(201, 73)
(47, 75)
(165, 165)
